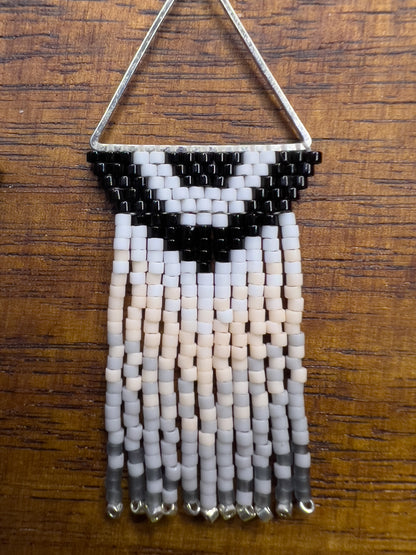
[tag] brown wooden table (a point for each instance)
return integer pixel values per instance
(349, 68)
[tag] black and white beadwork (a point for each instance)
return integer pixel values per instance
(204, 374)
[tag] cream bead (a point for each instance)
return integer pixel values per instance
(150, 327)
(240, 292)
(221, 304)
(225, 423)
(118, 279)
(224, 374)
(115, 315)
(222, 351)
(239, 339)
(279, 339)
(169, 317)
(273, 327)
(134, 384)
(299, 375)
(292, 329)
(112, 376)
(204, 364)
(220, 327)
(188, 349)
(116, 303)
(240, 388)
(189, 303)
(258, 328)
(189, 374)
(205, 389)
(293, 255)
(139, 266)
(135, 359)
(237, 328)
(132, 335)
(256, 303)
(277, 315)
(293, 317)
(258, 352)
(116, 351)
(238, 353)
(277, 363)
(274, 387)
(241, 413)
(241, 316)
(169, 352)
(257, 377)
(222, 338)
(296, 351)
(166, 388)
(169, 413)
(150, 352)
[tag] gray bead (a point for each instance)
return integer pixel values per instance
(115, 461)
(280, 398)
(150, 364)
(281, 423)
(190, 436)
(256, 388)
(297, 339)
(114, 387)
(206, 402)
(295, 388)
(116, 437)
(132, 407)
(130, 370)
(190, 460)
(167, 447)
(209, 427)
(224, 411)
(255, 364)
(130, 420)
(273, 351)
(130, 346)
(244, 438)
(225, 388)
(226, 497)
(206, 451)
(111, 411)
(261, 413)
(170, 485)
(261, 473)
(284, 459)
(136, 456)
(225, 436)
(260, 426)
(167, 424)
(129, 396)
(153, 474)
(274, 374)
(171, 436)
(113, 399)
(264, 450)
(186, 411)
(240, 376)
(293, 363)
(245, 485)
(166, 375)
(241, 399)
(113, 425)
(185, 387)
(296, 412)
(241, 461)
(276, 411)
(151, 413)
(114, 449)
(242, 424)
(300, 425)
(150, 388)
(114, 363)
(172, 475)
(150, 436)
(168, 400)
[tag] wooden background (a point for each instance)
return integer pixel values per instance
(348, 66)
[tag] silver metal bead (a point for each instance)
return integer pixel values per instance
(227, 511)
(137, 507)
(246, 512)
(114, 511)
(192, 509)
(210, 514)
(154, 513)
(307, 507)
(284, 510)
(264, 513)
(170, 509)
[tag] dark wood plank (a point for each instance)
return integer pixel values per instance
(348, 67)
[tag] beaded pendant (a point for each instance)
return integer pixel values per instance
(204, 374)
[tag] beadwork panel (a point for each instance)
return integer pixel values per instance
(348, 68)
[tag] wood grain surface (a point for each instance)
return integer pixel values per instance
(348, 66)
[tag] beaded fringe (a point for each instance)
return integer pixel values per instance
(205, 379)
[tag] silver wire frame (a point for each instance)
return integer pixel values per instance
(296, 124)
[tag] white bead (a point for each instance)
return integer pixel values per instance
(204, 218)
(139, 231)
(260, 169)
(188, 219)
(196, 192)
(203, 205)
(228, 194)
(140, 157)
(252, 181)
(213, 193)
(237, 256)
(251, 157)
(236, 207)
(112, 376)
(173, 206)
(220, 220)
(290, 231)
(157, 157)
(245, 193)
(243, 169)
(172, 182)
(123, 231)
(121, 243)
(238, 279)
(267, 157)
(156, 182)
(164, 194)
(148, 170)
(287, 218)
(236, 182)
(180, 193)
(164, 170)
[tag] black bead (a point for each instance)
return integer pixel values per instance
(301, 182)
(107, 182)
(124, 181)
(222, 256)
(218, 181)
(188, 180)
(227, 170)
(172, 245)
(203, 180)
(313, 157)
(237, 243)
(93, 156)
(179, 170)
(204, 267)
(139, 207)
(284, 205)
(187, 255)
(234, 158)
(133, 170)
(123, 206)
(100, 169)
(253, 230)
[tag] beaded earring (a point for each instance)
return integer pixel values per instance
(204, 374)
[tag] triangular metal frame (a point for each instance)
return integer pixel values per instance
(293, 118)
